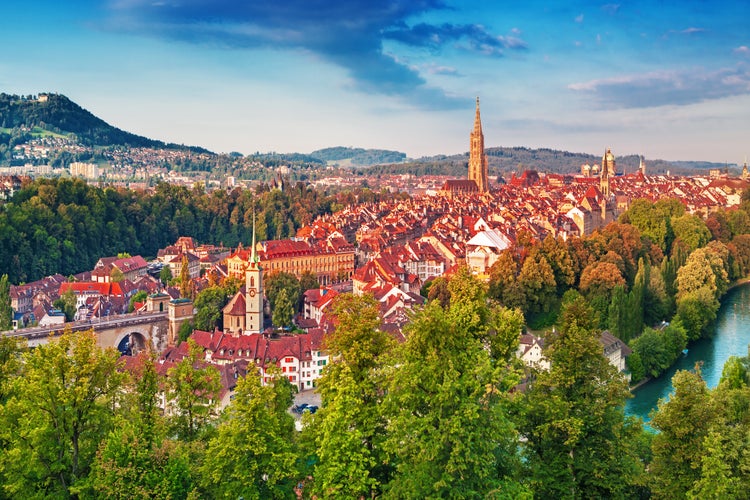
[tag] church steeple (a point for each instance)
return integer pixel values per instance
(477, 158)
(253, 291)
(477, 120)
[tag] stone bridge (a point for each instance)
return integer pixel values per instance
(127, 332)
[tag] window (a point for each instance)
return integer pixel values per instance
(288, 360)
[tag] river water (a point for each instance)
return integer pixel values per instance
(731, 339)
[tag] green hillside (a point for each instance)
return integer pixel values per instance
(55, 114)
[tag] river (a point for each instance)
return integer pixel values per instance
(731, 339)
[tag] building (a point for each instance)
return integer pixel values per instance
(85, 170)
(483, 250)
(477, 158)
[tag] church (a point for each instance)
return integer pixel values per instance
(477, 183)
(243, 315)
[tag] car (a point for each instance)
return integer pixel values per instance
(300, 408)
(311, 408)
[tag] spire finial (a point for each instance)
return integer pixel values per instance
(253, 256)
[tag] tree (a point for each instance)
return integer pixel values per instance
(283, 310)
(278, 281)
(349, 430)
(308, 281)
(61, 406)
(258, 434)
(165, 275)
(6, 312)
(67, 303)
(691, 230)
(579, 442)
(186, 284)
(139, 296)
(683, 423)
(448, 430)
(192, 391)
(209, 304)
(537, 280)
(116, 275)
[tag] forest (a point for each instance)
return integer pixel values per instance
(64, 225)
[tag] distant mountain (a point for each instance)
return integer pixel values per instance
(58, 114)
(358, 157)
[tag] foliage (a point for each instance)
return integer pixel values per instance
(657, 350)
(67, 303)
(6, 312)
(253, 455)
(61, 406)
(209, 304)
(579, 442)
(283, 310)
(64, 225)
(349, 429)
(165, 275)
(139, 296)
(192, 392)
(448, 430)
(277, 281)
(683, 423)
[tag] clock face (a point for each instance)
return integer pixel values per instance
(252, 293)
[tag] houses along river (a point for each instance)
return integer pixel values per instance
(731, 339)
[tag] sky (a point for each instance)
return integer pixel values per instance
(664, 79)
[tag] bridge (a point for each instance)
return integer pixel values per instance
(128, 333)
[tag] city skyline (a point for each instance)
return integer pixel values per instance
(667, 80)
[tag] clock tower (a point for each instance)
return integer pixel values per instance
(253, 292)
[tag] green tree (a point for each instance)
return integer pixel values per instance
(537, 280)
(61, 405)
(448, 430)
(116, 275)
(252, 455)
(283, 310)
(68, 304)
(6, 312)
(139, 296)
(697, 312)
(165, 275)
(186, 284)
(683, 423)
(349, 430)
(209, 305)
(691, 230)
(579, 442)
(192, 391)
(278, 281)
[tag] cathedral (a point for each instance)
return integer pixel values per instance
(477, 158)
(477, 181)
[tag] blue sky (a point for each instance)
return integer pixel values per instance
(666, 79)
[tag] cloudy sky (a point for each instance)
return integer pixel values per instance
(667, 79)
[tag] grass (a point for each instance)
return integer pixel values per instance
(40, 132)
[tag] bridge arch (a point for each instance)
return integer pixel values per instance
(132, 343)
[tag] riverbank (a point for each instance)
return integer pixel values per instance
(731, 338)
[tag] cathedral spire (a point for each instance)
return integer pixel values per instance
(477, 158)
(477, 120)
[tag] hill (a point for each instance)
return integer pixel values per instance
(55, 114)
(506, 160)
(358, 157)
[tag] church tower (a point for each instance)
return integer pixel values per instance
(608, 169)
(477, 158)
(253, 292)
(744, 170)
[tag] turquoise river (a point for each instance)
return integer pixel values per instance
(731, 339)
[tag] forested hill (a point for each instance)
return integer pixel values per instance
(358, 157)
(506, 160)
(56, 113)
